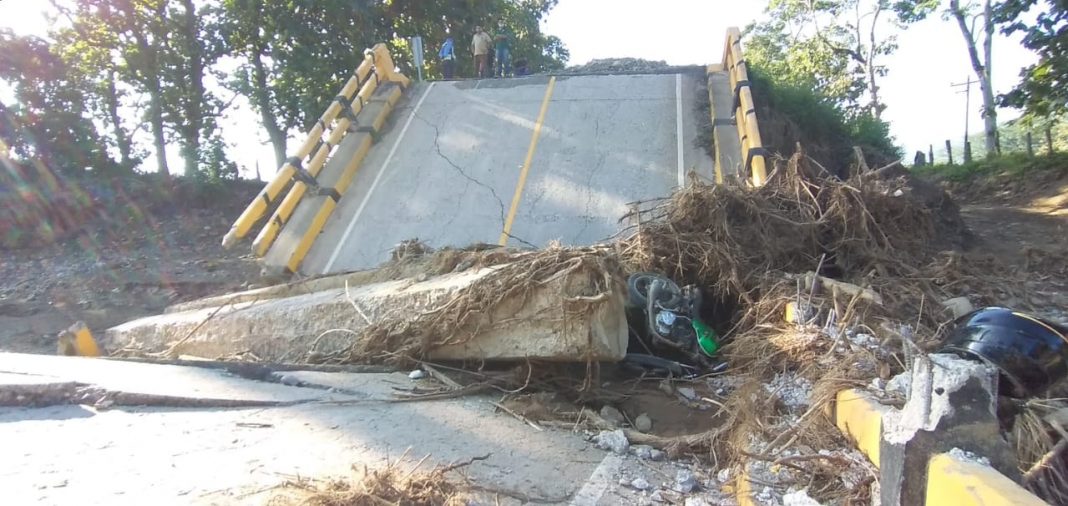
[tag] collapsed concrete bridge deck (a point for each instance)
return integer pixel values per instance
(520, 161)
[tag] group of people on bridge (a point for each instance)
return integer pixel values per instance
(492, 54)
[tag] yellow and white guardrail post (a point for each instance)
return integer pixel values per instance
(753, 151)
(377, 61)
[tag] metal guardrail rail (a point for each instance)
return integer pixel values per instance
(340, 119)
(753, 151)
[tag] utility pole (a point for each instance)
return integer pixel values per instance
(967, 112)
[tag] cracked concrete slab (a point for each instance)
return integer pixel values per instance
(606, 141)
(65, 454)
(143, 379)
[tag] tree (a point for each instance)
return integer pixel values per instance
(803, 62)
(966, 16)
(85, 50)
(133, 33)
(48, 120)
(288, 69)
(840, 31)
(1043, 89)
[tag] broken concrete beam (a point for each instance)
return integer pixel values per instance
(289, 329)
(951, 404)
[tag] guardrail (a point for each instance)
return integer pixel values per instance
(753, 151)
(376, 67)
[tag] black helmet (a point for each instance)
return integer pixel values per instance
(1031, 353)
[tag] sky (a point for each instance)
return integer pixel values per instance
(922, 107)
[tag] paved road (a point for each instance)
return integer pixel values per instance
(188, 448)
(456, 155)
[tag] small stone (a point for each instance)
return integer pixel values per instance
(643, 423)
(612, 415)
(640, 484)
(624, 482)
(656, 496)
(723, 475)
(685, 481)
(798, 498)
(289, 379)
(656, 455)
(644, 452)
(614, 440)
(695, 501)
(687, 392)
(417, 374)
(958, 306)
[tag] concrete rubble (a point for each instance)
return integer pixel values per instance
(277, 325)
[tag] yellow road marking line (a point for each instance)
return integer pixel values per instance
(506, 233)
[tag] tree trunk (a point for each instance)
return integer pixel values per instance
(262, 97)
(194, 99)
(122, 137)
(149, 76)
(990, 115)
(873, 88)
(990, 112)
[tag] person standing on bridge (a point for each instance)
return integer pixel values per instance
(503, 53)
(447, 54)
(480, 47)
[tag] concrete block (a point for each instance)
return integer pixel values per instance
(545, 325)
(860, 417)
(952, 404)
(955, 480)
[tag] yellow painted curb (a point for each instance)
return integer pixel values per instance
(951, 480)
(743, 490)
(860, 418)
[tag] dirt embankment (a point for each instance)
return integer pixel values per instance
(131, 248)
(1020, 219)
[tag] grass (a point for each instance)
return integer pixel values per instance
(1011, 165)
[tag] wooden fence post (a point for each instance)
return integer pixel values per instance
(1049, 140)
(930, 153)
(949, 151)
(1030, 145)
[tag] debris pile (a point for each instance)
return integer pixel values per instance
(624, 66)
(394, 484)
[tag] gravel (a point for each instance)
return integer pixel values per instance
(614, 440)
(798, 498)
(793, 390)
(640, 484)
(685, 481)
(646, 452)
(968, 456)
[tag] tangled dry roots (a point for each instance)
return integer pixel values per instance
(588, 276)
(390, 485)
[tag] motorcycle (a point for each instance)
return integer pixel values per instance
(667, 325)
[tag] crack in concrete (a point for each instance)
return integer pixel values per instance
(589, 181)
(437, 148)
(500, 202)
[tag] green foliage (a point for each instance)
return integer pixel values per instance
(804, 63)
(49, 120)
(290, 72)
(790, 114)
(1043, 89)
(1015, 164)
(215, 167)
(833, 45)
